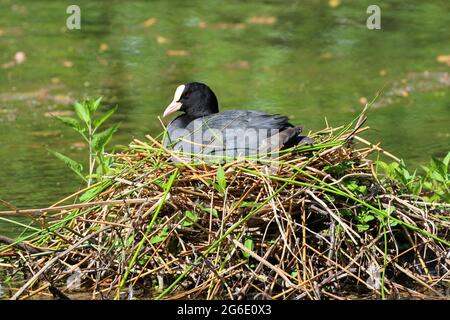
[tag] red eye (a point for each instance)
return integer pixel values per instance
(187, 94)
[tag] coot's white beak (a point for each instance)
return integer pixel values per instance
(175, 105)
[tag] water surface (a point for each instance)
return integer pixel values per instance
(308, 59)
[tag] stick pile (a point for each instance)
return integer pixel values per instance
(315, 223)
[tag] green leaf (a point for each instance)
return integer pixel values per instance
(160, 237)
(339, 168)
(129, 240)
(346, 212)
(99, 170)
(157, 239)
(433, 198)
(362, 227)
(393, 223)
(143, 261)
(72, 164)
(105, 117)
(221, 180)
(7, 279)
(246, 204)
(362, 189)
(428, 185)
(389, 211)
(367, 218)
(211, 211)
(437, 176)
(82, 112)
(93, 192)
(100, 140)
(382, 165)
(249, 244)
(417, 187)
(441, 168)
(446, 161)
(191, 218)
(351, 185)
(73, 123)
(159, 182)
(93, 105)
(426, 169)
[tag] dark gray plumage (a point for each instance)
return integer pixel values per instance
(233, 133)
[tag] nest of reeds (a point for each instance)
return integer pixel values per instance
(315, 223)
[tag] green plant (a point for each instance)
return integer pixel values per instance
(249, 244)
(355, 186)
(221, 184)
(87, 125)
(396, 172)
(190, 218)
(433, 185)
(437, 179)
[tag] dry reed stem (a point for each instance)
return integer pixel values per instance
(306, 240)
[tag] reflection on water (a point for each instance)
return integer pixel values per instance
(306, 59)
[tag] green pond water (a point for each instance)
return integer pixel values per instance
(310, 60)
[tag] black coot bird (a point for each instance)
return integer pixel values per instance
(203, 130)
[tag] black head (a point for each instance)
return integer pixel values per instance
(194, 99)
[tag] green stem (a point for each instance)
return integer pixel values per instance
(149, 227)
(91, 165)
(334, 190)
(216, 243)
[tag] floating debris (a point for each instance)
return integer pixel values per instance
(20, 57)
(426, 81)
(178, 53)
(149, 22)
(444, 59)
(241, 64)
(263, 20)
